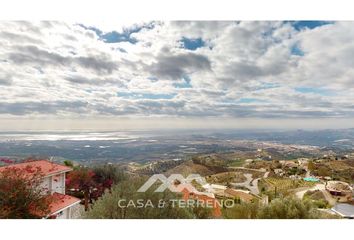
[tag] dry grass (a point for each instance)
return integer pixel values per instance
(227, 177)
(338, 165)
(283, 186)
(315, 195)
(190, 168)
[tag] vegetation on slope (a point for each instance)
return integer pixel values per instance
(280, 208)
(124, 202)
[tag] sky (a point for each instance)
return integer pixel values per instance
(212, 74)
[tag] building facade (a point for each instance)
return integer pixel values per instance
(61, 206)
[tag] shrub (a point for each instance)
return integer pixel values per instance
(21, 195)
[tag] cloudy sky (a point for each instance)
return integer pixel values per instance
(220, 74)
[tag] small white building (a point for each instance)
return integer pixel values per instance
(214, 188)
(53, 182)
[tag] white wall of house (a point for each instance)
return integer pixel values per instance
(63, 214)
(46, 184)
(72, 212)
(55, 183)
(58, 183)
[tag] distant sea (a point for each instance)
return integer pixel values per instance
(91, 135)
(73, 135)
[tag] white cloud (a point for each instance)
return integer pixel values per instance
(244, 69)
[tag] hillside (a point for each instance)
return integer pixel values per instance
(189, 167)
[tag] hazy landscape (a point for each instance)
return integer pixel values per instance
(143, 146)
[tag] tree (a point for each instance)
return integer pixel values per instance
(115, 204)
(82, 179)
(242, 211)
(311, 166)
(21, 195)
(91, 183)
(68, 163)
(107, 175)
(280, 208)
(288, 208)
(200, 212)
(323, 171)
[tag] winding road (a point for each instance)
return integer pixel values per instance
(321, 187)
(250, 184)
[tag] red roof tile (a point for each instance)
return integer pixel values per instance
(214, 203)
(46, 167)
(60, 201)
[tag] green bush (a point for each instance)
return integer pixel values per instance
(107, 206)
(280, 208)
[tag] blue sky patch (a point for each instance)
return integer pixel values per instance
(295, 50)
(153, 79)
(185, 84)
(319, 91)
(192, 43)
(266, 85)
(114, 36)
(132, 95)
(299, 25)
(249, 100)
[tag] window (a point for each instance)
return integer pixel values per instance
(59, 214)
(56, 178)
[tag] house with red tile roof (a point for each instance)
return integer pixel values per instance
(53, 180)
(207, 198)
